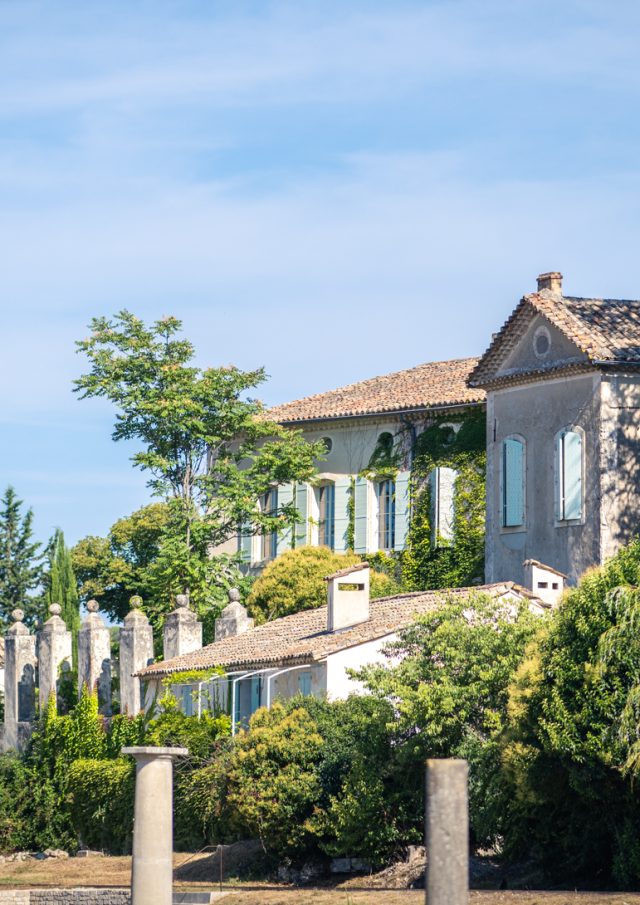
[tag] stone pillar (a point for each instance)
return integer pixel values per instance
(136, 652)
(234, 619)
(94, 657)
(152, 868)
(182, 631)
(19, 679)
(447, 836)
(54, 654)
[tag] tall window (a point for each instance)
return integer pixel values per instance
(513, 472)
(269, 506)
(569, 468)
(386, 515)
(326, 515)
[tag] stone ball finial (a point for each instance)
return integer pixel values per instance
(17, 615)
(234, 595)
(182, 601)
(93, 606)
(55, 609)
(135, 602)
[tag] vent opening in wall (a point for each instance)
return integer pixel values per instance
(328, 445)
(541, 342)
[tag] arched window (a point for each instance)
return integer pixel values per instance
(569, 471)
(513, 474)
(386, 491)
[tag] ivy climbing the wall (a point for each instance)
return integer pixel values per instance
(430, 562)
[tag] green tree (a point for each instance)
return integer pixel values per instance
(21, 559)
(571, 752)
(295, 582)
(61, 585)
(210, 451)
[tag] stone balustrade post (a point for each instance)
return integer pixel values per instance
(182, 631)
(54, 648)
(234, 619)
(152, 867)
(447, 832)
(19, 679)
(94, 657)
(136, 652)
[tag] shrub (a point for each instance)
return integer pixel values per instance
(295, 582)
(203, 815)
(102, 793)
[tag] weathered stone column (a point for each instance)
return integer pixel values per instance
(54, 654)
(94, 657)
(152, 869)
(136, 652)
(19, 679)
(447, 836)
(234, 619)
(182, 631)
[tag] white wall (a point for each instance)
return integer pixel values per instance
(339, 684)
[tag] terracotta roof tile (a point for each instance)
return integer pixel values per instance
(437, 383)
(303, 637)
(604, 330)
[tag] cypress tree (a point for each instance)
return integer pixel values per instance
(21, 559)
(61, 584)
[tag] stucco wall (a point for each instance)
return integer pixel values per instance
(339, 684)
(537, 412)
(620, 460)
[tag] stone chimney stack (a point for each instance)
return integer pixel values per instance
(544, 581)
(233, 620)
(348, 597)
(551, 281)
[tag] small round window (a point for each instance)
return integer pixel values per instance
(541, 342)
(328, 444)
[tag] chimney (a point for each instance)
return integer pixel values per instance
(233, 620)
(551, 281)
(544, 581)
(348, 597)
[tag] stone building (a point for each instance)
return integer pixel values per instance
(363, 424)
(562, 379)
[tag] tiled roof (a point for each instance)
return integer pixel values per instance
(604, 330)
(303, 637)
(437, 383)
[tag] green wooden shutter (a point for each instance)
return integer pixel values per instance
(572, 475)
(285, 497)
(342, 496)
(245, 538)
(512, 483)
(302, 505)
(403, 508)
(361, 501)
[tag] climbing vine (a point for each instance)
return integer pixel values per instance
(460, 562)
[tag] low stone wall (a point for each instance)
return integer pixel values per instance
(65, 897)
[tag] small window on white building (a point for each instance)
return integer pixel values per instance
(326, 495)
(386, 492)
(569, 471)
(304, 683)
(513, 474)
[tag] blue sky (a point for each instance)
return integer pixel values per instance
(331, 189)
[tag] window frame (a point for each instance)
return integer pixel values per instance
(268, 540)
(520, 526)
(326, 493)
(386, 506)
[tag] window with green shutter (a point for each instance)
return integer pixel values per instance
(513, 474)
(569, 470)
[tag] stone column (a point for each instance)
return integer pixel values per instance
(152, 869)
(182, 631)
(94, 657)
(136, 652)
(447, 836)
(19, 679)
(54, 654)
(234, 619)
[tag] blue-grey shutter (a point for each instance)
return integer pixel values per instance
(342, 496)
(285, 497)
(256, 688)
(442, 485)
(245, 538)
(513, 482)
(403, 508)
(361, 504)
(572, 475)
(302, 505)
